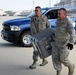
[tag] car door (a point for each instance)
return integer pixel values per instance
(52, 15)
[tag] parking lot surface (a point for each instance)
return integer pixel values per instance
(15, 60)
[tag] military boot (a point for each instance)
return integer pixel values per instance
(58, 73)
(33, 66)
(44, 62)
(71, 69)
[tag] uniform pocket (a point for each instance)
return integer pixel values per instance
(44, 25)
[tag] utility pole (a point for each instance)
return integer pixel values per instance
(49, 3)
(33, 6)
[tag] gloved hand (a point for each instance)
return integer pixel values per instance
(70, 46)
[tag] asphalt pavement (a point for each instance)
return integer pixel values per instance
(15, 60)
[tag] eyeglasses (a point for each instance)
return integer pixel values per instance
(36, 10)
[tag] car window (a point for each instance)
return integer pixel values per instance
(52, 14)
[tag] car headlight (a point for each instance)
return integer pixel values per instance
(14, 28)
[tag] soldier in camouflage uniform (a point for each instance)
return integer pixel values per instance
(38, 23)
(63, 42)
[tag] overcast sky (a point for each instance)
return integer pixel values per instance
(25, 4)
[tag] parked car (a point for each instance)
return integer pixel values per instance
(18, 30)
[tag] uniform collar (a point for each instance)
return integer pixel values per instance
(40, 16)
(37, 17)
(62, 20)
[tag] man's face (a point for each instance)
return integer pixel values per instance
(61, 14)
(37, 11)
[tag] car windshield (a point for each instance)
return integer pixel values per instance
(71, 13)
(33, 13)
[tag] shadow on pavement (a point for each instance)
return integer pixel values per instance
(9, 45)
(12, 45)
(20, 70)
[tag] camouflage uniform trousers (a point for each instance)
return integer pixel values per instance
(35, 52)
(60, 56)
(35, 55)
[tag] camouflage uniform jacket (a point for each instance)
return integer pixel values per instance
(39, 24)
(64, 31)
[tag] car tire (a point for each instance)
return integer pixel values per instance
(25, 39)
(75, 38)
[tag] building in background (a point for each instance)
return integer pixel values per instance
(66, 3)
(2, 13)
(22, 13)
(15, 13)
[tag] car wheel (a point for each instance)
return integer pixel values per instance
(25, 39)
